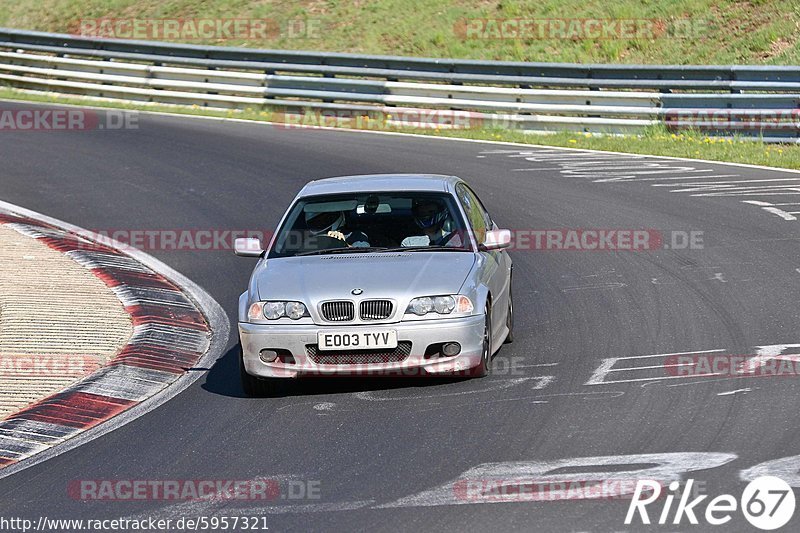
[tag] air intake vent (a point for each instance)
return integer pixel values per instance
(375, 309)
(360, 357)
(339, 311)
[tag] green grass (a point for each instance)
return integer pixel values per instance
(686, 31)
(654, 141)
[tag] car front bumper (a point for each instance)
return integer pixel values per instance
(295, 339)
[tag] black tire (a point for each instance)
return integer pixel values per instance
(253, 386)
(484, 368)
(510, 317)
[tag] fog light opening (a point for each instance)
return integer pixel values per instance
(268, 356)
(451, 348)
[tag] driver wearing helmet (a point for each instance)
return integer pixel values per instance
(431, 216)
(331, 224)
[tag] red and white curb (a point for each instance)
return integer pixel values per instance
(177, 327)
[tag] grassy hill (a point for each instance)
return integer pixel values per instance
(619, 31)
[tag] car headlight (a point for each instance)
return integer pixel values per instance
(443, 305)
(421, 306)
(276, 310)
(295, 310)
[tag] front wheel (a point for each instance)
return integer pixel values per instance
(484, 367)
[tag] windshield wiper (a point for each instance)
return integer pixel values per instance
(434, 248)
(343, 250)
(362, 249)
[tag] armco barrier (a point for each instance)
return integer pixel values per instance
(753, 101)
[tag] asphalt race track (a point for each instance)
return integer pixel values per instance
(389, 455)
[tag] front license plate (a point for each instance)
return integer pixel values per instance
(360, 340)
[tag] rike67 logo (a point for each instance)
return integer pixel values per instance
(767, 503)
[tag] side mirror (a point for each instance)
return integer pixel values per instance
(496, 240)
(247, 247)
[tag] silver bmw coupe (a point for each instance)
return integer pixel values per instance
(377, 275)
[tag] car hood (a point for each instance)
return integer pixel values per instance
(381, 275)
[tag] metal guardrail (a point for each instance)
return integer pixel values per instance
(748, 100)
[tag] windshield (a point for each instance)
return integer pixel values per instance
(366, 222)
